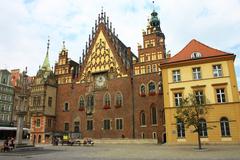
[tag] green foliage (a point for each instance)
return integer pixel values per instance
(191, 111)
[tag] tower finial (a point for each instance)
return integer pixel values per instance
(153, 5)
(102, 14)
(48, 44)
(46, 64)
(64, 45)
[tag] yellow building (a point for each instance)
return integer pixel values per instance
(205, 72)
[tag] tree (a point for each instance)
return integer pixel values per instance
(191, 112)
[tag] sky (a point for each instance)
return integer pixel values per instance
(26, 24)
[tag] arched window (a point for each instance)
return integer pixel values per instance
(81, 103)
(90, 104)
(180, 129)
(107, 101)
(142, 90)
(90, 101)
(119, 99)
(203, 128)
(142, 119)
(151, 88)
(154, 115)
(225, 130)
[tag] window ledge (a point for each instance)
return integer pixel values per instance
(179, 139)
(226, 139)
(143, 126)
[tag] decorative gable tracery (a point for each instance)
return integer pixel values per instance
(101, 59)
(104, 52)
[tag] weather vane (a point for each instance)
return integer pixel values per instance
(153, 5)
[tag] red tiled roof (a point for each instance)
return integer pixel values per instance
(196, 46)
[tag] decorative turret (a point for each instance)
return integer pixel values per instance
(154, 21)
(46, 64)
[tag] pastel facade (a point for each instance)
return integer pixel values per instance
(204, 72)
(6, 98)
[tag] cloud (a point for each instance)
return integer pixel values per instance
(26, 24)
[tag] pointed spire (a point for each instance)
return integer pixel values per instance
(80, 61)
(102, 13)
(46, 64)
(64, 45)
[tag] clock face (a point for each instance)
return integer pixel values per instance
(100, 81)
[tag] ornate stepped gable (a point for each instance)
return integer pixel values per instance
(104, 52)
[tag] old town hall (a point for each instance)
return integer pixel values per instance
(112, 93)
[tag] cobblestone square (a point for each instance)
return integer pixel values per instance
(127, 152)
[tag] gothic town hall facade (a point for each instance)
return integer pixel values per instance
(109, 93)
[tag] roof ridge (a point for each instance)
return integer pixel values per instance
(211, 47)
(197, 46)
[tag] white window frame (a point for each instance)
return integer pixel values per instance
(178, 96)
(176, 75)
(217, 70)
(220, 92)
(196, 73)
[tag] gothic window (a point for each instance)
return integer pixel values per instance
(154, 115)
(151, 88)
(225, 129)
(119, 99)
(81, 103)
(107, 100)
(90, 101)
(90, 104)
(142, 119)
(203, 128)
(142, 90)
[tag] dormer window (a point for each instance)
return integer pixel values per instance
(196, 55)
